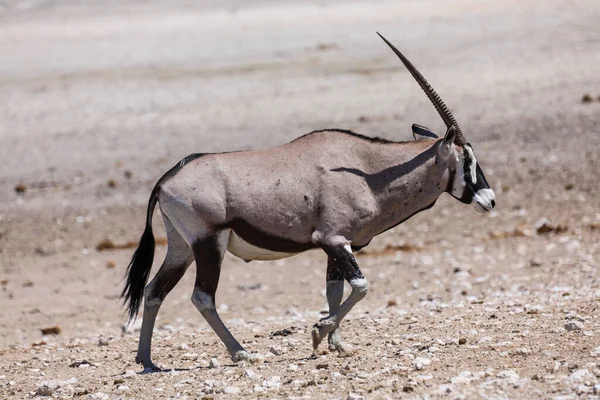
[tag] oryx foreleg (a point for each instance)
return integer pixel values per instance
(178, 259)
(335, 294)
(341, 255)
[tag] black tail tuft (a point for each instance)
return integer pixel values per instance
(138, 272)
(140, 266)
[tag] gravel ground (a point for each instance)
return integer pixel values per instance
(98, 99)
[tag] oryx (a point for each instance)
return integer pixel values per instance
(330, 189)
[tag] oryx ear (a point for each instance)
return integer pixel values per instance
(422, 133)
(448, 139)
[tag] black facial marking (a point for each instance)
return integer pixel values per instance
(266, 241)
(472, 188)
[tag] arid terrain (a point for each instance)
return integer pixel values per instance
(99, 99)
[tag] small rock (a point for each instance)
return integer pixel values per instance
(354, 396)
(292, 367)
(232, 390)
(183, 346)
(523, 351)
(47, 388)
(573, 326)
(596, 388)
(192, 357)
(213, 363)
(462, 341)
(508, 374)
(581, 375)
(587, 98)
(596, 351)
(274, 381)
(420, 363)
(445, 389)
(97, 396)
(463, 377)
(102, 342)
(258, 389)
(129, 374)
(123, 387)
(250, 374)
(53, 330)
(276, 350)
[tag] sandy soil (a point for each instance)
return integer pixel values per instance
(97, 100)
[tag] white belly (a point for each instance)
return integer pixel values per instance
(244, 250)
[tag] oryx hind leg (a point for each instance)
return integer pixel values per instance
(178, 259)
(209, 252)
(340, 252)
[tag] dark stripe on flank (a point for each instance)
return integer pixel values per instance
(266, 241)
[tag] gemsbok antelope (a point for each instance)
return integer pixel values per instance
(330, 189)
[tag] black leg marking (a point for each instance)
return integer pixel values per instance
(178, 259)
(209, 254)
(343, 264)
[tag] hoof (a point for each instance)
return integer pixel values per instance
(320, 330)
(151, 368)
(148, 365)
(340, 347)
(252, 358)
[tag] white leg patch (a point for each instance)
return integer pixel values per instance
(203, 301)
(359, 284)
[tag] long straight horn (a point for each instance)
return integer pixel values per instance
(439, 105)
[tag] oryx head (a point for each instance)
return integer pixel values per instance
(467, 182)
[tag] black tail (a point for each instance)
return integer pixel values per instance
(139, 268)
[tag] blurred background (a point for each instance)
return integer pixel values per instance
(99, 99)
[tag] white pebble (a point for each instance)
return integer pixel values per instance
(129, 374)
(232, 390)
(250, 374)
(581, 375)
(420, 363)
(292, 367)
(123, 387)
(354, 396)
(276, 350)
(274, 381)
(214, 363)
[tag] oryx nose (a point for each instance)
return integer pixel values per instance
(493, 203)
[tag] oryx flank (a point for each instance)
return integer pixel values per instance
(330, 189)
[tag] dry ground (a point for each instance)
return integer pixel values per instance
(97, 100)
